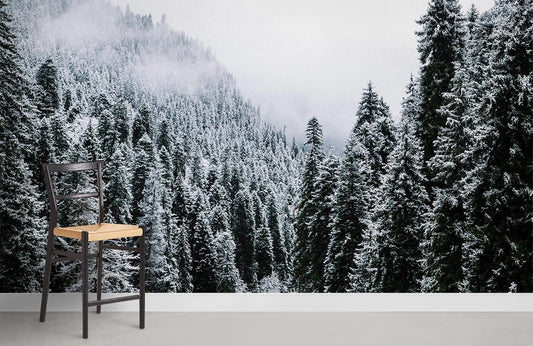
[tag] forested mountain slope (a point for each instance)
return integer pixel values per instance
(186, 155)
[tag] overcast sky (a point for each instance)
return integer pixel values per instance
(301, 58)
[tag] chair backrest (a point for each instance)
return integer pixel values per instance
(53, 197)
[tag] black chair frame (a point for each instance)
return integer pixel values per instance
(55, 255)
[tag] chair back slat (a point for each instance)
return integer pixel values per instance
(53, 197)
(73, 167)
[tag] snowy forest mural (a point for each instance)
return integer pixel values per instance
(439, 201)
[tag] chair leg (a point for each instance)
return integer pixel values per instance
(99, 279)
(46, 281)
(142, 280)
(85, 282)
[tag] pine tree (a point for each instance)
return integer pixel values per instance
(219, 220)
(351, 217)
(22, 228)
(219, 196)
(184, 259)
(165, 139)
(107, 133)
(203, 256)
(443, 249)
(259, 211)
(278, 240)
(141, 125)
(289, 236)
(306, 209)
(121, 115)
(118, 187)
(375, 130)
(264, 252)
(45, 151)
(91, 144)
(226, 273)
(402, 214)
(441, 43)
(47, 93)
(61, 141)
(499, 187)
(180, 159)
(244, 233)
(169, 222)
(472, 17)
(151, 217)
(143, 163)
(119, 270)
(323, 219)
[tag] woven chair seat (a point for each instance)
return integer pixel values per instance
(101, 231)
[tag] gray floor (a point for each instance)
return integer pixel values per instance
(279, 329)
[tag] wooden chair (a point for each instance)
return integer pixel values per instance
(87, 233)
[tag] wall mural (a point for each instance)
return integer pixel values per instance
(438, 201)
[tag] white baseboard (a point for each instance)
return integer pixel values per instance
(287, 302)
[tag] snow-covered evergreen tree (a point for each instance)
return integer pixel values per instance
(184, 259)
(118, 196)
(47, 93)
(226, 273)
(402, 214)
(152, 219)
(245, 238)
(279, 249)
(143, 163)
(107, 133)
(203, 256)
(323, 220)
(264, 252)
(306, 208)
(374, 128)
(219, 220)
(351, 217)
(22, 228)
(441, 44)
(443, 247)
(499, 187)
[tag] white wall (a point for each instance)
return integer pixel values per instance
(263, 302)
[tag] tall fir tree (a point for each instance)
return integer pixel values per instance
(244, 233)
(47, 94)
(374, 128)
(441, 44)
(323, 220)
(279, 248)
(22, 228)
(402, 213)
(143, 163)
(152, 217)
(184, 259)
(306, 208)
(118, 196)
(351, 217)
(226, 273)
(90, 144)
(500, 188)
(203, 256)
(443, 246)
(264, 252)
(107, 133)
(121, 114)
